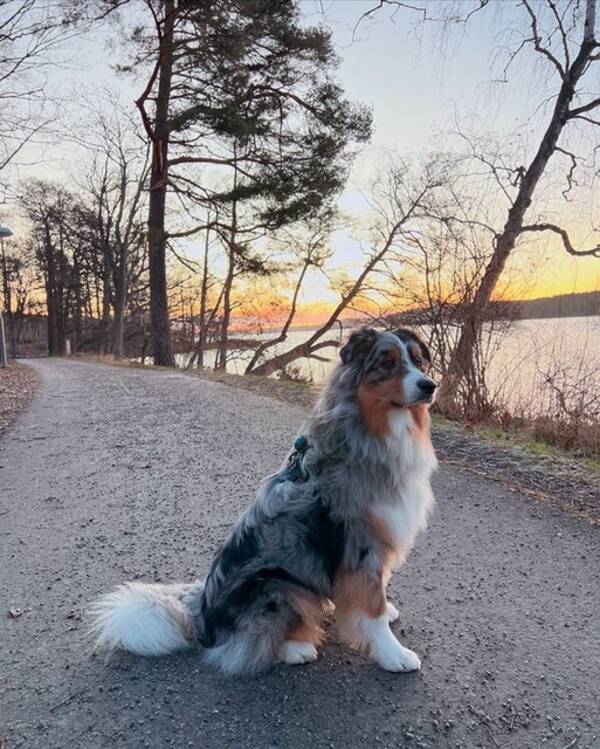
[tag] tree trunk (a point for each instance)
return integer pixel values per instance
(8, 312)
(51, 302)
(460, 368)
(120, 304)
(203, 304)
(59, 297)
(279, 362)
(221, 358)
(79, 304)
(52, 333)
(106, 301)
(162, 348)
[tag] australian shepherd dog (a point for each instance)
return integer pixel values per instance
(325, 531)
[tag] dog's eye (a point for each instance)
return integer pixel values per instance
(388, 364)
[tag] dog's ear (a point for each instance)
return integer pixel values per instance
(358, 345)
(408, 336)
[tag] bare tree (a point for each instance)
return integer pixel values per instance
(116, 185)
(71, 242)
(313, 253)
(567, 42)
(401, 204)
(208, 305)
(432, 284)
(571, 71)
(48, 208)
(30, 33)
(20, 288)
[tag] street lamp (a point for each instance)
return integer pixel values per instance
(4, 232)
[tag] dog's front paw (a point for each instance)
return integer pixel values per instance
(392, 613)
(395, 657)
(295, 653)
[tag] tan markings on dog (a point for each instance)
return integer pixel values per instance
(383, 533)
(376, 401)
(302, 632)
(390, 549)
(310, 612)
(374, 411)
(422, 420)
(182, 619)
(358, 593)
(415, 352)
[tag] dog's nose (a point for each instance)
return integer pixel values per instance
(426, 386)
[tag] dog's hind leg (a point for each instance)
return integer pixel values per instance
(300, 644)
(296, 652)
(279, 625)
(253, 647)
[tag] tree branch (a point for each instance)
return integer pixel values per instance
(570, 179)
(584, 108)
(568, 245)
(537, 41)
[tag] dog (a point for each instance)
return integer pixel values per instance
(327, 528)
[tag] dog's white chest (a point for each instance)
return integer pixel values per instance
(405, 511)
(406, 514)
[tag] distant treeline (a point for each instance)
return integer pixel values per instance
(565, 305)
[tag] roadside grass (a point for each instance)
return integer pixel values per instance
(523, 437)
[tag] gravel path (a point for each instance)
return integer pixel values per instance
(115, 473)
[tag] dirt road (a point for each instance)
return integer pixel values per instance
(115, 473)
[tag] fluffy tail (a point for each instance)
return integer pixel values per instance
(147, 619)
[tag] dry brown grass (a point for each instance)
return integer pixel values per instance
(581, 437)
(17, 384)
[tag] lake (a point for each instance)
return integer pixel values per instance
(566, 348)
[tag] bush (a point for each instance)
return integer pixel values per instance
(581, 436)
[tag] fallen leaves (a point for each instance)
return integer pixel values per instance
(17, 384)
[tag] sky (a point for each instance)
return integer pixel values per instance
(419, 86)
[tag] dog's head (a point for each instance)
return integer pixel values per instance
(391, 366)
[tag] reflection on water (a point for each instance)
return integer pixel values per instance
(568, 347)
(530, 351)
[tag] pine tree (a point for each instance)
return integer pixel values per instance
(237, 87)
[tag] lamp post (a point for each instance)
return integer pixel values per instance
(5, 232)
(3, 357)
